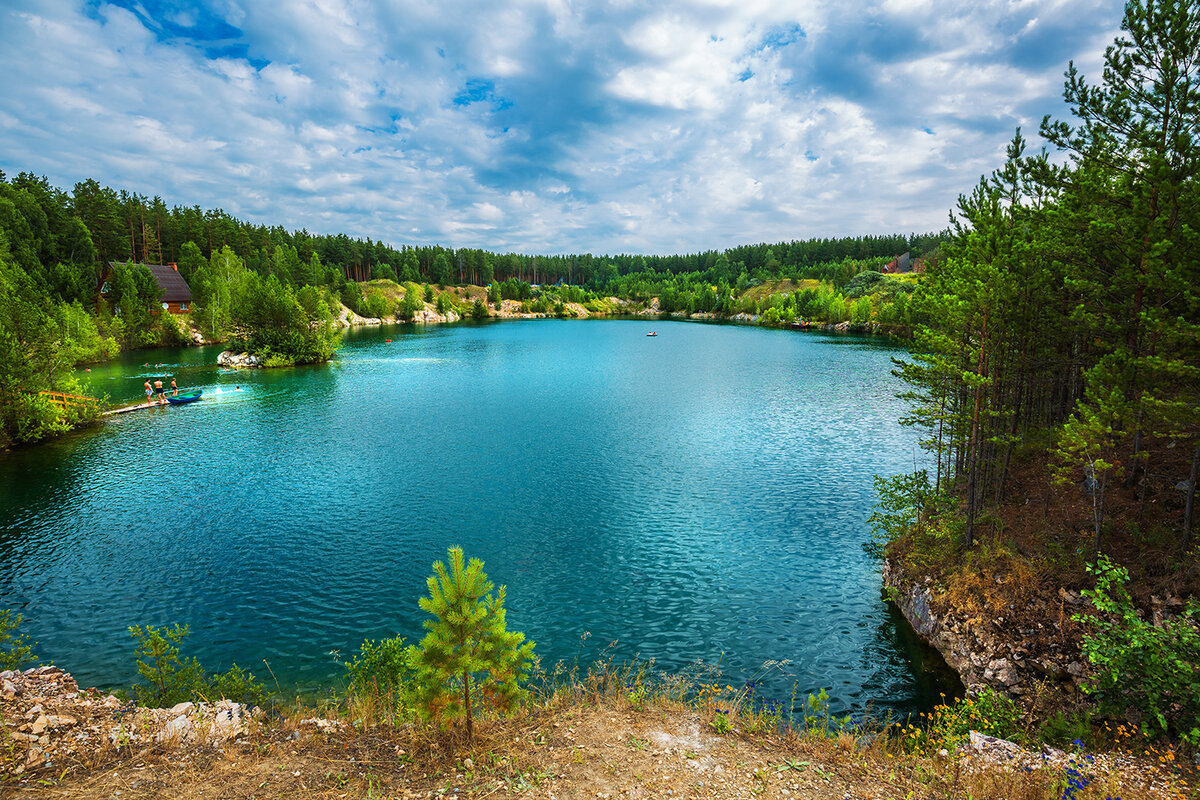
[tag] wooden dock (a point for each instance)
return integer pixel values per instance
(135, 407)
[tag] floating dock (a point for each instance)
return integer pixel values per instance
(135, 407)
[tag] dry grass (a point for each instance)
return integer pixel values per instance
(614, 732)
(779, 287)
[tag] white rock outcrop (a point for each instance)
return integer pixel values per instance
(238, 360)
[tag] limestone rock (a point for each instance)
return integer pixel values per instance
(323, 725)
(230, 721)
(238, 360)
(1002, 670)
(176, 731)
(995, 749)
(180, 709)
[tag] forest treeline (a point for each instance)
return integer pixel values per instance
(62, 238)
(276, 292)
(1064, 318)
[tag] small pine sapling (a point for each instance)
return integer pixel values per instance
(15, 648)
(467, 645)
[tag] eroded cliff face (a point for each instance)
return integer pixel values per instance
(1030, 653)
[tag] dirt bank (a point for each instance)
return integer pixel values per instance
(59, 742)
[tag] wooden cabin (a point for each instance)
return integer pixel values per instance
(897, 265)
(176, 294)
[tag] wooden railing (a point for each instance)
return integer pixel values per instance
(64, 399)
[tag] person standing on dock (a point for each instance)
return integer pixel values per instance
(174, 388)
(149, 392)
(158, 390)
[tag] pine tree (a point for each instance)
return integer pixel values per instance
(468, 641)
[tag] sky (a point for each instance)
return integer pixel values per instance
(542, 126)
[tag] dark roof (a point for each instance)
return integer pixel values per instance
(174, 287)
(899, 264)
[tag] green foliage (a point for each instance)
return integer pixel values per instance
(412, 302)
(16, 649)
(1062, 728)
(269, 316)
(238, 685)
(172, 334)
(1077, 266)
(171, 678)
(863, 283)
(949, 724)
(467, 645)
(215, 285)
(375, 303)
(41, 342)
(905, 503)
(384, 673)
(1154, 669)
(386, 665)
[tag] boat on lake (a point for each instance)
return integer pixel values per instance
(190, 396)
(652, 333)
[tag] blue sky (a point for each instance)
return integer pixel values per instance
(541, 127)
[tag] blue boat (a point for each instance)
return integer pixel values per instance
(190, 396)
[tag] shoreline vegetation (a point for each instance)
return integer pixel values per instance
(75, 288)
(467, 712)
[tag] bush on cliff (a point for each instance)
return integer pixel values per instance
(1154, 669)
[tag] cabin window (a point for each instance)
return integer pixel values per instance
(183, 307)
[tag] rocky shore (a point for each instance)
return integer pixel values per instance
(53, 725)
(1031, 653)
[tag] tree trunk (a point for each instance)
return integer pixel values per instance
(1098, 487)
(467, 703)
(1191, 495)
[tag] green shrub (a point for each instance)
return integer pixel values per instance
(1155, 669)
(383, 672)
(171, 678)
(172, 333)
(1061, 729)
(949, 724)
(238, 685)
(905, 503)
(467, 647)
(15, 648)
(28, 418)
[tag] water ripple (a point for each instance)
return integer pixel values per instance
(701, 499)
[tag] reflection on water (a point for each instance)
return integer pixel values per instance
(697, 496)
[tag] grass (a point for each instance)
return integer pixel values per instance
(603, 729)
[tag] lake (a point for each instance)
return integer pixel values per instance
(699, 496)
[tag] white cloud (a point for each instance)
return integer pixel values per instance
(541, 125)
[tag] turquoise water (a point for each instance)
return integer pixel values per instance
(698, 496)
